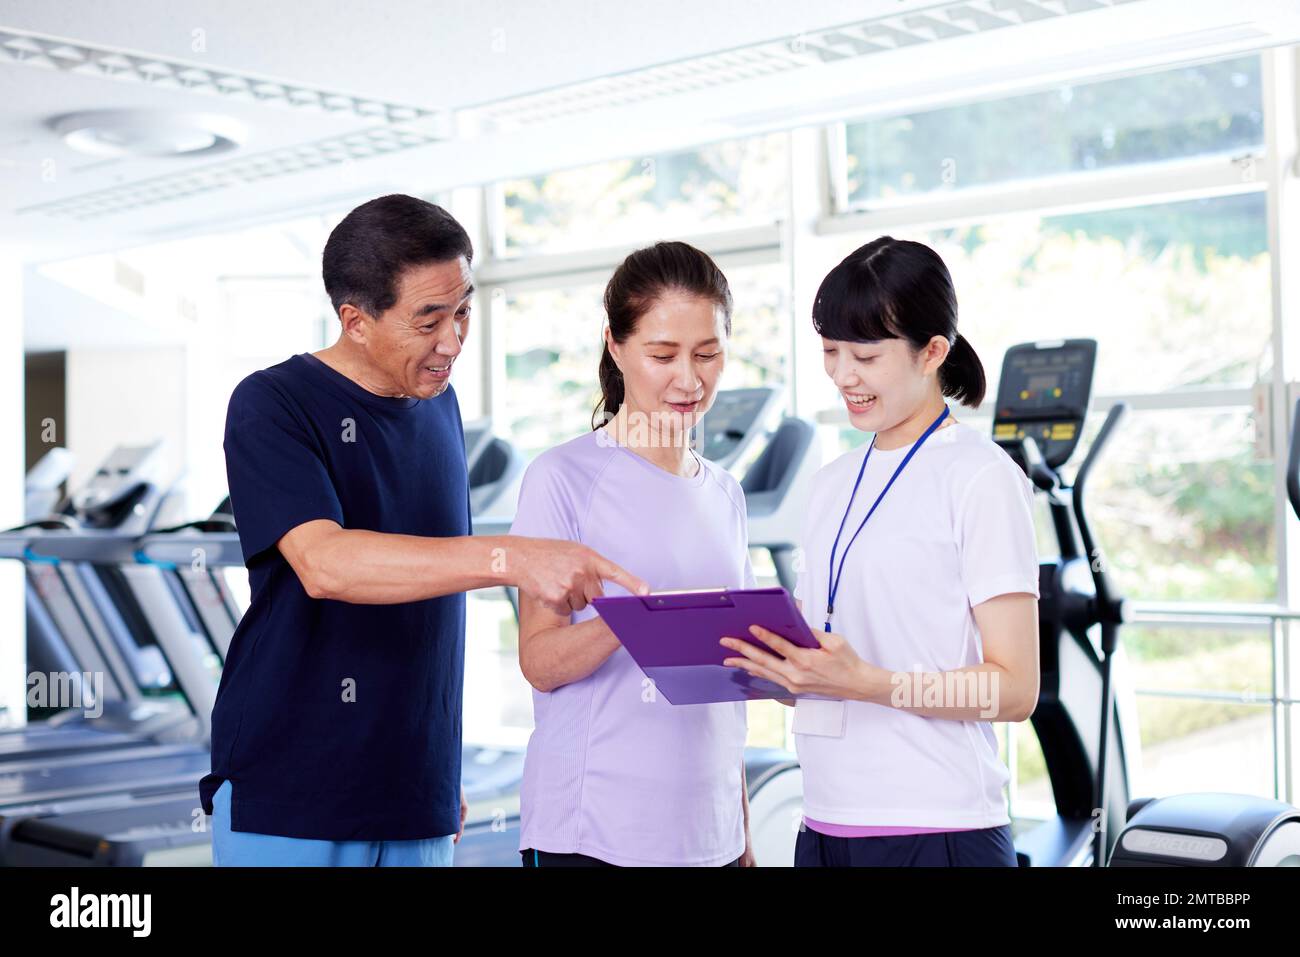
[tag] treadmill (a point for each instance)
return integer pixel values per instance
(47, 651)
(494, 465)
(161, 823)
(204, 588)
(65, 767)
(155, 817)
(78, 630)
(732, 431)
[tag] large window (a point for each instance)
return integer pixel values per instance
(1157, 117)
(1204, 715)
(644, 198)
(1183, 506)
(1177, 295)
(552, 349)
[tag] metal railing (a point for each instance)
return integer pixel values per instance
(1281, 697)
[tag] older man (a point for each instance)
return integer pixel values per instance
(336, 736)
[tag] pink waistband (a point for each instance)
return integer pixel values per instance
(855, 830)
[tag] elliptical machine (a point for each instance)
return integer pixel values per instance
(1042, 404)
(1043, 400)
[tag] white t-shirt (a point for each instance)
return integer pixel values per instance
(955, 530)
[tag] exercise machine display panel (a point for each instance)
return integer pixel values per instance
(734, 421)
(1044, 395)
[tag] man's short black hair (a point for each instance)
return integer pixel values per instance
(367, 252)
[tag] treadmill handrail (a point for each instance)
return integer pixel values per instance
(177, 548)
(96, 546)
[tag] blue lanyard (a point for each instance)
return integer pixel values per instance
(835, 575)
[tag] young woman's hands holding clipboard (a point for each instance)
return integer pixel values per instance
(834, 670)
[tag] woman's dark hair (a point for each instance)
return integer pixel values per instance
(897, 289)
(643, 278)
(367, 252)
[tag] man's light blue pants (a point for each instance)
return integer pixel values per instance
(246, 849)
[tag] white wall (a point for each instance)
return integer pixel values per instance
(13, 635)
(250, 324)
(125, 397)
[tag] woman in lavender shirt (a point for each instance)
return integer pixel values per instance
(614, 774)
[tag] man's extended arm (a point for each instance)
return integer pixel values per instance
(364, 567)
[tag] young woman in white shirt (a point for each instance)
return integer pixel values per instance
(919, 578)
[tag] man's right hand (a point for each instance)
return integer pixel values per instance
(564, 576)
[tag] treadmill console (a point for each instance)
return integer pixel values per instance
(737, 418)
(117, 486)
(1044, 394)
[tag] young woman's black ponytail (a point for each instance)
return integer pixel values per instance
(898, 289)
(961, 376)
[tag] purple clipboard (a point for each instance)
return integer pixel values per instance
(673, 637)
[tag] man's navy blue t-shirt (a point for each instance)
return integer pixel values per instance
(338, 721)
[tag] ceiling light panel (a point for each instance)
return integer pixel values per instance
(943, 21)
(85, 59)
(248, 169)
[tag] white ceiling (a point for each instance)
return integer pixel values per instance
(453, 56)
(436, 53)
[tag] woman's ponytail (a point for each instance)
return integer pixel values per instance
(961, 376)
(611, 390)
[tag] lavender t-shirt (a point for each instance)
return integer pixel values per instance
(613, 770)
